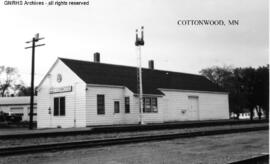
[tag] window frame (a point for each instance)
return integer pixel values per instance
(127, 105)
(116, 104)
(59, 110)
(100, 105)
(149, 106)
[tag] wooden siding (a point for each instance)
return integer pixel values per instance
(150, 117)
(211, 105)
(81, 103)
(111, 94)
(75, 100)
(117, 94)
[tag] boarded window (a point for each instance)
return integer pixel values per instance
(100, 104)
(127, 105)
(116, 107)
(59, 106)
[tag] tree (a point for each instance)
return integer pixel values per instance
(237, 97)
(225, 78)
(262, 90)
(23, 90)
(248, 82)
(248, 87)
(221, 76)
(9, 78)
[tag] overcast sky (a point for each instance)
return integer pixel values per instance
(109, 27)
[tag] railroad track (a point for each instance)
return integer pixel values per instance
(133, 128)
(116, 141)
(263, 159)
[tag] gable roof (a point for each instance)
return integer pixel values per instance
(108, 74)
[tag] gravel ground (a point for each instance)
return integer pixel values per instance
(35, 141)
(208, 149)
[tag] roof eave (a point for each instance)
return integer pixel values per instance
(198, 91)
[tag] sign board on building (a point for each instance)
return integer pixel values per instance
(61, 89)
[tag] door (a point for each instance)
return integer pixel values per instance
(193, 111)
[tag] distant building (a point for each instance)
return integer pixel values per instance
(246, 114)
(78, 93)
(18, 106)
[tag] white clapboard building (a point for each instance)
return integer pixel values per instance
(78, 93)
(18, 106)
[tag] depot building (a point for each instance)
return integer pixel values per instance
(77, 93)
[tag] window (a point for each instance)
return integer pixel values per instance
(116, 107)
(16, 109)
(59, 106)
(100, 104)
(150, 105)
(127, 106)
(154, 104)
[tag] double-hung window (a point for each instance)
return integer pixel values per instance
(150, 105)
(127, 105)
(116, 107)
(100, 104)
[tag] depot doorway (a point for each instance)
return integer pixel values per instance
(193, 108)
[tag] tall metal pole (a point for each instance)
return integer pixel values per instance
(34, 40)
(138, 43)
(140, 85)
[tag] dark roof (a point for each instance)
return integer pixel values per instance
(108, 74)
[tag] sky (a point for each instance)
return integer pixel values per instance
(108, 27)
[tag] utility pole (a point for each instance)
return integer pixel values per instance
(33, 41)
(138, 43)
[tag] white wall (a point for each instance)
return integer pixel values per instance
(111, 94)
(211, 105)
(75, 100)
(5, 109)
(150, 117)
(81, 103)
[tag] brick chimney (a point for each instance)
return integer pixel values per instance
(151, 64)
(97, 57)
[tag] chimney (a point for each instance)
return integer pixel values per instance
(97, 57)
(151, 64)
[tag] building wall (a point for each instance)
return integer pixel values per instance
(111, 94)
(24, 110)
(174, 106)
(211, 105)
(150, 117)
(75, 100)
(117, 94)
(81, 103)
(5, 109)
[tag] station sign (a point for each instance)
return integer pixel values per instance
(61, 89)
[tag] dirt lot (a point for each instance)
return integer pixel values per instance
(210, 149)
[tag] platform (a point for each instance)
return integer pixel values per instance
(24, 132)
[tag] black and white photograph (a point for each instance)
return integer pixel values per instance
(134, 82)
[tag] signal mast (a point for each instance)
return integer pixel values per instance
(138, 43)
